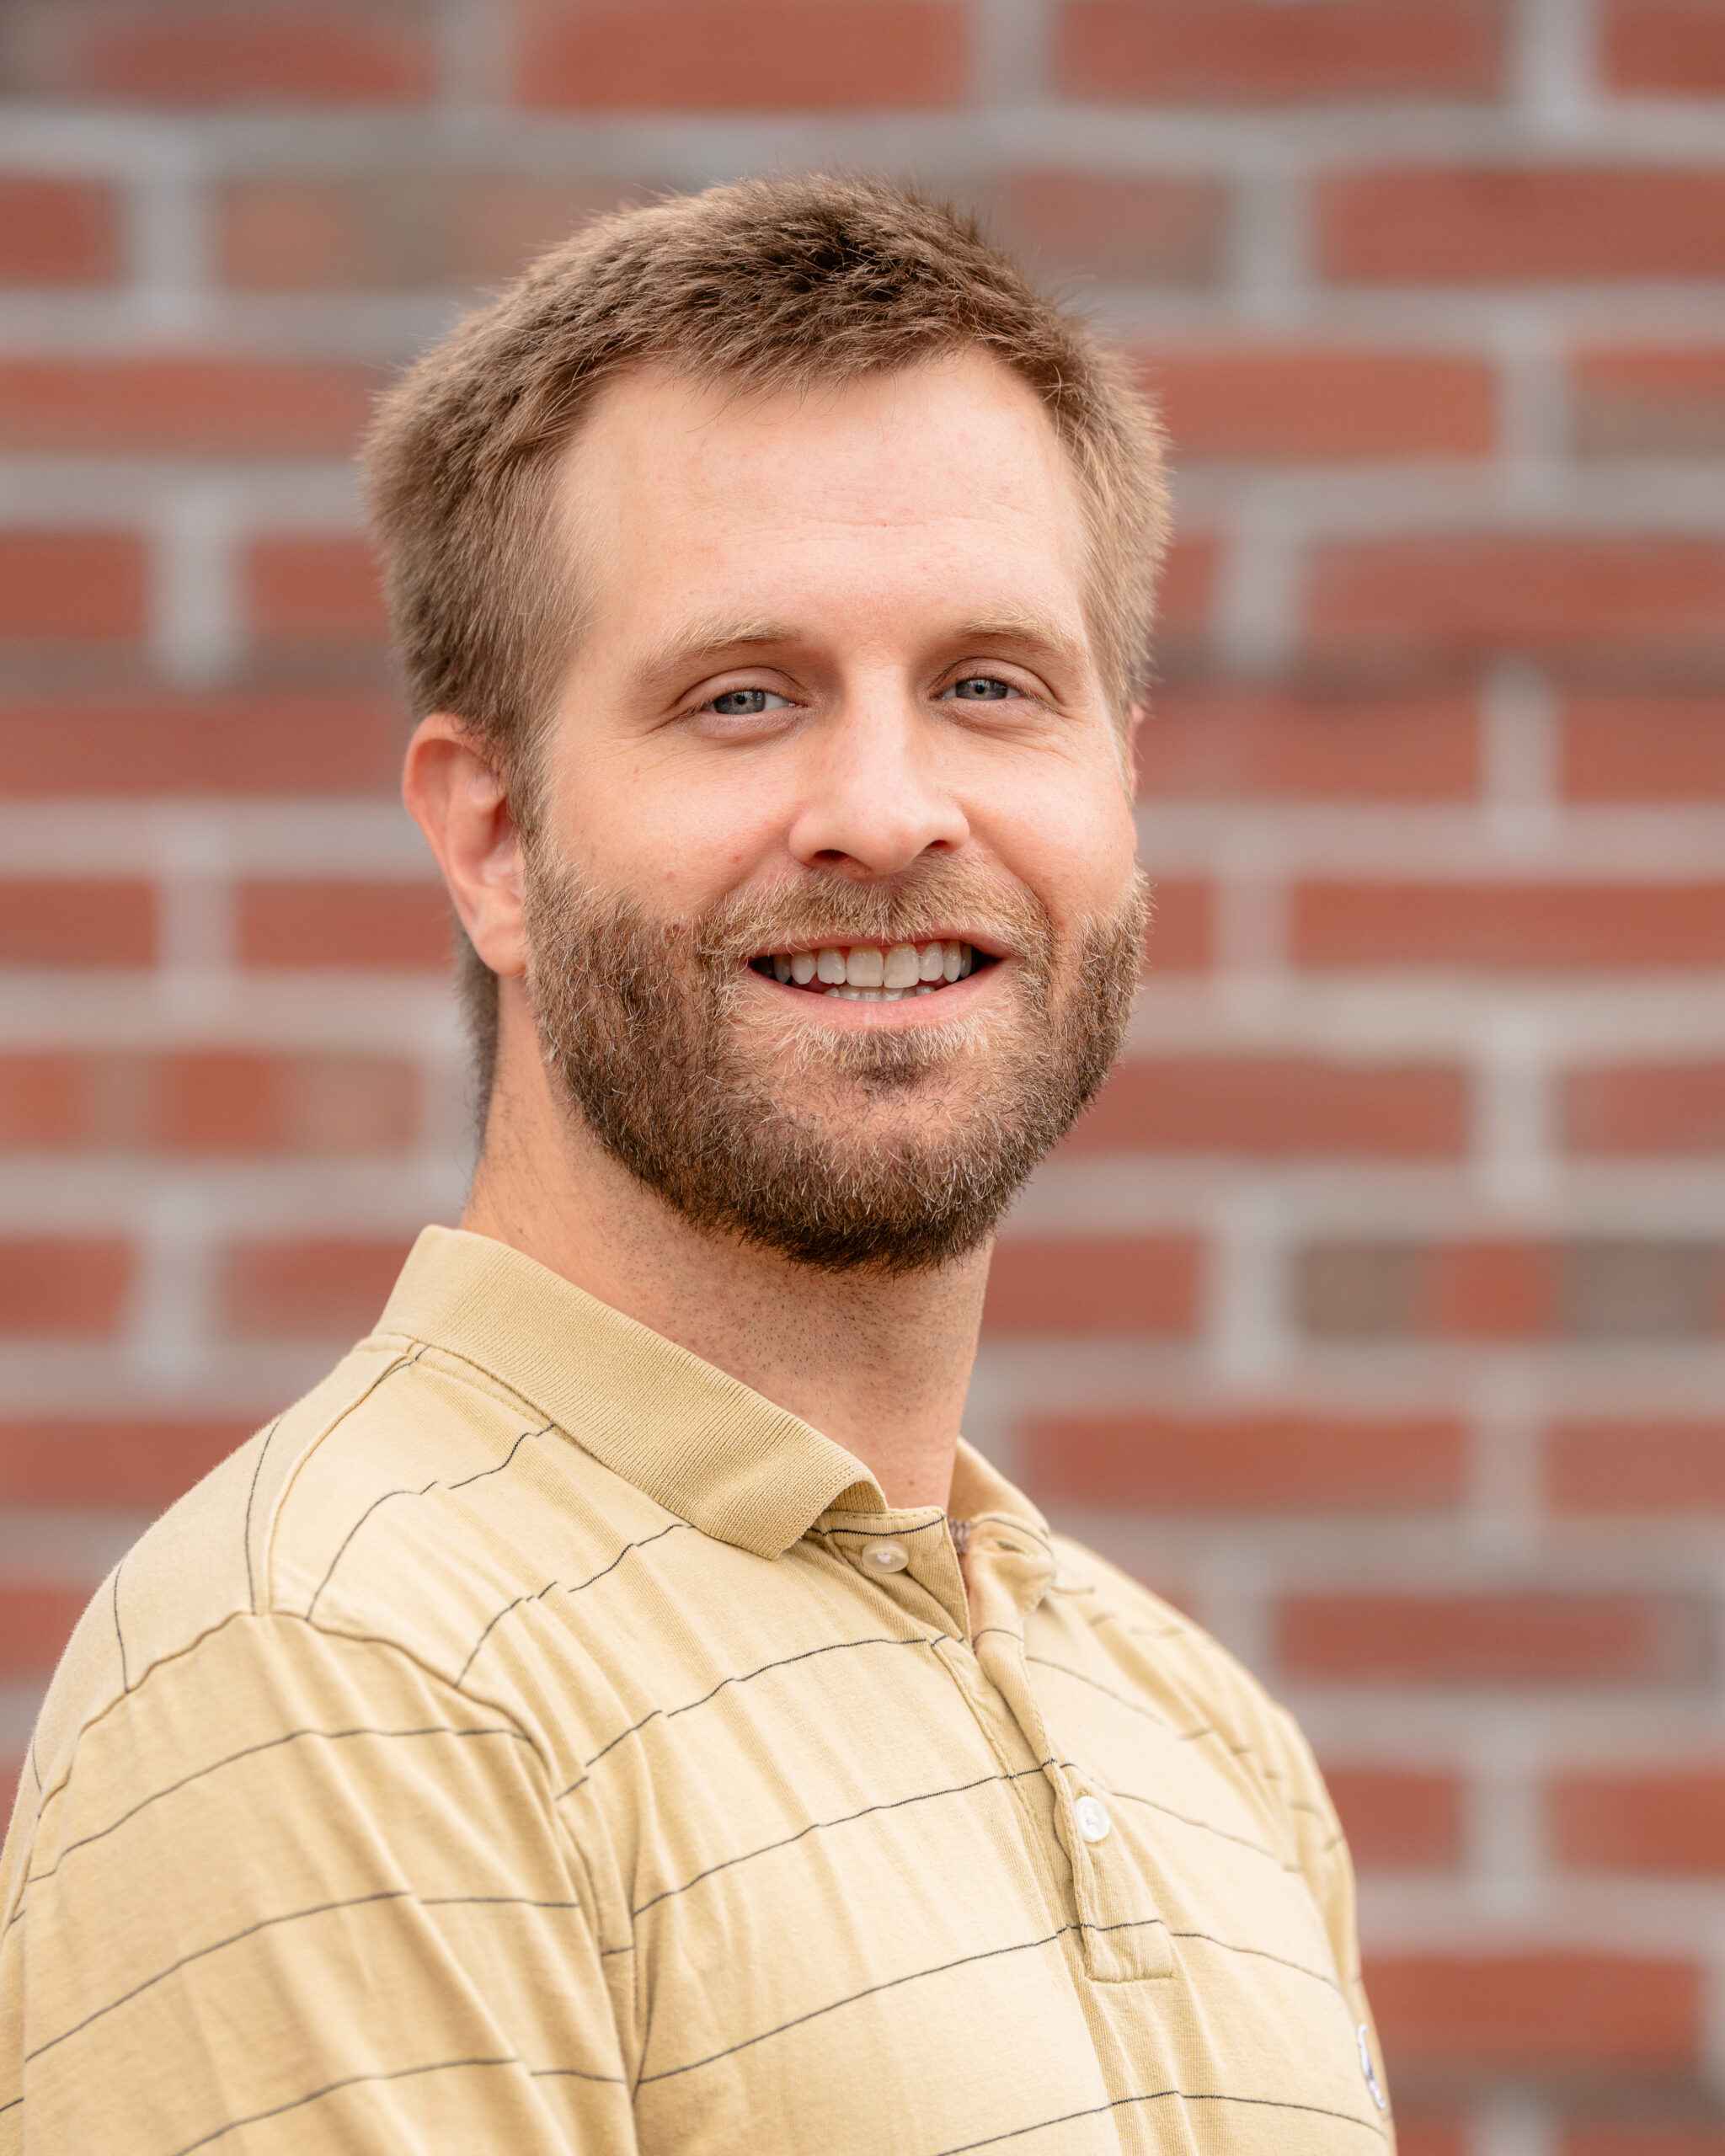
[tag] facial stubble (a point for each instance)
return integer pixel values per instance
(844, 1150)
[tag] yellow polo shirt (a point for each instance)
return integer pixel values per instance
(537, 1742)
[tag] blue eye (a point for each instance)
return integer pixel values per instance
(981, 689)
(745, 703)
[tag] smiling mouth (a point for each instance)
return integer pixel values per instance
(874, 973)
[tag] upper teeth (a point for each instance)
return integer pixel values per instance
(898, 970)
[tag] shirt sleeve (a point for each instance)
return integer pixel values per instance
(295, 1893)
(1322, 1850)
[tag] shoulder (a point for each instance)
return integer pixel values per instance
(405, 1502)
(191, 1572)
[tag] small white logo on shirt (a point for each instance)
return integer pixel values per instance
(1370, 2071)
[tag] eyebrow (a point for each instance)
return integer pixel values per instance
(705, 640)
(1022, 628)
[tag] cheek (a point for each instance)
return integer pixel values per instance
(1071, 837)
(637, 821)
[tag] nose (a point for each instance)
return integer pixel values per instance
(875, 800)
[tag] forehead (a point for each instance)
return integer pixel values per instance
(947, 471)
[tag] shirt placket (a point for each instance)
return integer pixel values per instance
(1124, 1937)
(1008, 1568)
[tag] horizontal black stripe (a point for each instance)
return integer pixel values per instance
(1205, 1827)
(746, 1677)
(295, 1916)
(1264, 1954)
(425, 1490)
(250, 1751)
(1163, 2097)
(1120, 1699)
(332, 2088)
(892, 1983)
(882, 1534)
(576, 1587)
(201, 1953)
(822, 1826)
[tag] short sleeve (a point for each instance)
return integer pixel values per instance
(295, 1893)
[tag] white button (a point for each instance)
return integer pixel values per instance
(1093, 1823)
(887, 1556)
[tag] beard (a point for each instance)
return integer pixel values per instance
(844, 1150)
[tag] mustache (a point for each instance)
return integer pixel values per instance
(932, 897)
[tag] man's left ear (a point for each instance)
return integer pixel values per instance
(459, 801)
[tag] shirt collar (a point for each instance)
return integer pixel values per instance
(699, 1443)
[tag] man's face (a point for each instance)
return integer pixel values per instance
(834, 705)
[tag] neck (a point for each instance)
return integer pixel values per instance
(879, 1365)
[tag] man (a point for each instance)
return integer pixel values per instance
(614, 1711)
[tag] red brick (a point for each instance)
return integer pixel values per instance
(1665, 45)
(76, 924)
(1550, 2011)
(221, 742)
(55, 586)
(1644, 748)
(1587, 1288)
(1649, 1108)
(1512, 225)
(1491, 1639)
(1261, 1463)
(400, 232)
(1397, 1819)
(328, 1289)
(1100, 1285)
(1529, 927)
(118, 1466)
(1294, 405)
(1490, 1290)
(1638, 1465)
(743, 56)
(185, 404)
(1227, 740)
(1181, 936)
(1258, 52)
(367, 52)
(1278, 1107)
(1657, 2137)
(396, 925)
(35, 1623)
(1167, 229)
(62, 1287)
(38, 1103)
(1650, 404)
(204, 1102)
(320, 591)
(57, 231)
(1466, 593)
(1668, 1820)
(1427, 2132)
(291, 235)
(1186, 592)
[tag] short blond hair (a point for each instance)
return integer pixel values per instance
(766, 284)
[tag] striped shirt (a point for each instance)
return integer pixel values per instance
(537, 1742)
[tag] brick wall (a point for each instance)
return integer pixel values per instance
(1378, 1314)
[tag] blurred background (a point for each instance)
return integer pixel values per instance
(1377, 1314)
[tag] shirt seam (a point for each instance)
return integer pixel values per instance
(323, 1631)
(266, 1565)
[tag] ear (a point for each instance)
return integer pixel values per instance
(458, 801)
